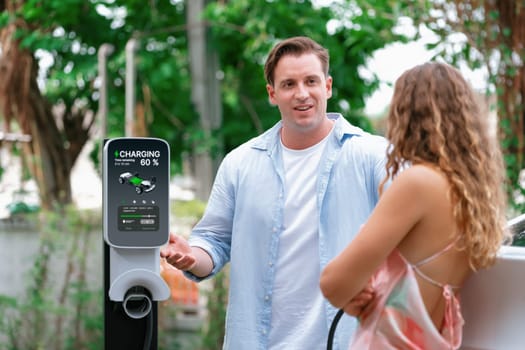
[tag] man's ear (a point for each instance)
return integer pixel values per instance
(329, 87)
(271, 94)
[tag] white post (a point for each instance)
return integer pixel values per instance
(103, 53)
(131, 47)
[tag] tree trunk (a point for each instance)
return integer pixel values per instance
(205, 96)
(52, 151)
(47, 160)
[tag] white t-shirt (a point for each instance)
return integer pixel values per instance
(298, 315)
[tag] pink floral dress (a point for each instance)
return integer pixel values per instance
(398, 319)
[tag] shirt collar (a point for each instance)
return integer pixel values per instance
(342, 131)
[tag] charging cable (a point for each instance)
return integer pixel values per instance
(137, 304)
(333, 326)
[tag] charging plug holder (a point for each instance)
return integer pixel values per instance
(137, 302)
(132, 269)
(133, 283)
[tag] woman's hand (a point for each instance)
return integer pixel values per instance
(356, 306)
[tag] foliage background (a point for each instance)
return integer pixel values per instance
(64, 98)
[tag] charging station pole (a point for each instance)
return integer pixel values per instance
(136, 224)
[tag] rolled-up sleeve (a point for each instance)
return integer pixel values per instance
(213, 232)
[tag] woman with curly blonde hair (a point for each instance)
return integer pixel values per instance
(441, 218)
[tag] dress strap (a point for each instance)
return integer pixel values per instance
(436, 255)
(432, 281)
(416, 266)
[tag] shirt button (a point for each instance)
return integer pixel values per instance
(267, 298)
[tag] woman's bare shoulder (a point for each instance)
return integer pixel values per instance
(421, 177)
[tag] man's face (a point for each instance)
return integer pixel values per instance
(300, 91)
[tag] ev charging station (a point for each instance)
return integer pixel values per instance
(136, 224)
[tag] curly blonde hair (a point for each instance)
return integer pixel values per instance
(434, 119)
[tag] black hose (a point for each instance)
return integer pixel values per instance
(149, 331)
(333, 326)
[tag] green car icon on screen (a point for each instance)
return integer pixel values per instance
(141, 185)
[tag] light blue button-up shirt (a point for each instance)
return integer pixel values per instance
(244, 218)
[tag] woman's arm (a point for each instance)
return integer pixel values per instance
(358, 303)
(399, 209)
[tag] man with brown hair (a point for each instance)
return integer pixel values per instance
(284, 204)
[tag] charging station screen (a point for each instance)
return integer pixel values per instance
(138, 218)
(136, 192)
